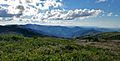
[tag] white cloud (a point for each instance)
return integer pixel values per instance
(29, 6)
(39, 10)
(68, 15)
(46, 10)
(110, 14)
(116, 15)
(99, 1)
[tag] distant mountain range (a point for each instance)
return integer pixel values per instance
(17, 29)
(54, 31)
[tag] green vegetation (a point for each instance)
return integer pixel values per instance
(109, 35)
(100, 37)
(14, 47)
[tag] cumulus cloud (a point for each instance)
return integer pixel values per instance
(68, 15)
(110, 14)
(116, 15)
(29, 7)
(99, 1)
(45, 10)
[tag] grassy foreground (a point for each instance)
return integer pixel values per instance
(15, 47)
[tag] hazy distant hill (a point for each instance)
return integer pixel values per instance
(54, 31)
(66, 31)
(17, 29)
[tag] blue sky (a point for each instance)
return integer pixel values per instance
(100, 13)
(107, 6)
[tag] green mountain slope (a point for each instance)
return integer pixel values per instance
(102, 36)
(18, 30)
(14, 47)
(109, 35)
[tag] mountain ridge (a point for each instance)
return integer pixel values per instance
(54, 31)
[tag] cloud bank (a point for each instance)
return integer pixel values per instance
(44, 10)
(68, 15)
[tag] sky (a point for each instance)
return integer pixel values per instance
(99, 13)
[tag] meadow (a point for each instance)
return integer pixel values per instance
(16, 47)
